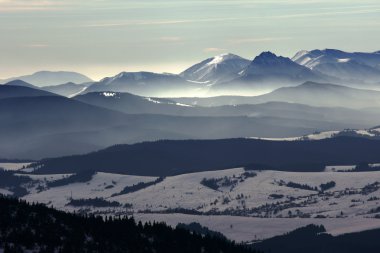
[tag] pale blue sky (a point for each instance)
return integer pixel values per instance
(101, 38)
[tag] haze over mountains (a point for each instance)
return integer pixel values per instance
(126, 108)
(302, 107)
(227, 74)
(233, 75)
(311, 93)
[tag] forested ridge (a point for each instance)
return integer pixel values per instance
(36, 228)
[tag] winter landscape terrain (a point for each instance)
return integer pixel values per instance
(248, 149)
(158, 126)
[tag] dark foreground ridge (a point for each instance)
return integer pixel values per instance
(314, 239)
(27, 228)
(167, 158)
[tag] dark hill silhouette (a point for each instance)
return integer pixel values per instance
(12, 91)
(165, 158)
(313, 239)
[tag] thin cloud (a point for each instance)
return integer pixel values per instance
(160, 22)
(213, 49)
(225, 19)
(30, 5)
(37, 45)
(171, 39)
(258, 40)
(318, 14)
(133, 23)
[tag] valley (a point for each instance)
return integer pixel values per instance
(255, 201)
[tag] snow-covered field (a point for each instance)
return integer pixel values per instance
(244, 205)
(13, 166)
(369, 133)
(102, 185)
(257, 194)
(246, 229)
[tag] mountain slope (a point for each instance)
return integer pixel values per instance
(51, 125)
(332, 118)
(129, 103)
(318, 94)
(144, 84)
(37, 127)
(48, 78)
(221, 68)
(312, 58)
(20, 83)
(268, 66)
(353, 67)
(66, 89)
(265, 73)
(11, 91)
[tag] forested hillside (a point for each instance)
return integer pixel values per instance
(36, 228)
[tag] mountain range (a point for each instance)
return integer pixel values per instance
(48, 78)
(232, 74)
(353, 67)
(131, 107)
(310, 93)
(226, 74)
(37, 124)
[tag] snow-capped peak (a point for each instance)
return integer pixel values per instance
(300, 54)
(222, 57)
(220, 68)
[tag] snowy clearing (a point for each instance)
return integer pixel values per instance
(246, 229)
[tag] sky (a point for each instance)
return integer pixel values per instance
(104, 37)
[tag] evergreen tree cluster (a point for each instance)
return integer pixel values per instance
(95, 202)
(138, 186)
(327, 186)
(9, 180)
(80, 177)
(34, 227)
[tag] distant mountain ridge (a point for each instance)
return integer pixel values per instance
(48, 78)
(268, 65)
(164, 158)
(67, 89)
(143, 83)
(235, 107)
(267, 72)
(228, 74)
(21, 83)
(32, 126)
(13, 91)
(355, 67)
(310, 93)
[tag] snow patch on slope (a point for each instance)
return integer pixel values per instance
(109, 94)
